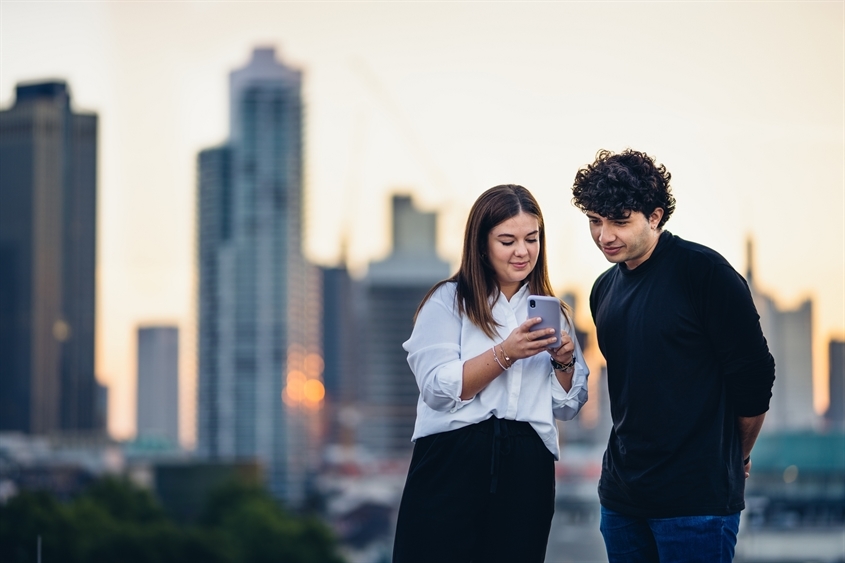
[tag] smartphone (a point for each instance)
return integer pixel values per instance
(547, 308)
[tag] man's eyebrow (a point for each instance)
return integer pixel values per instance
(594, 215)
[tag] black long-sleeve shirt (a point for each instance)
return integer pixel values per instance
(685, 357)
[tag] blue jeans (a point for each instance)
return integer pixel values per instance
(687, 539)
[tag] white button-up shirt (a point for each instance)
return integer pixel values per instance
(443, 339)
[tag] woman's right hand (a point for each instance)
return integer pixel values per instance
(524, 343)
(479, 371)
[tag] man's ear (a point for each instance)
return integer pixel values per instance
(655, 217)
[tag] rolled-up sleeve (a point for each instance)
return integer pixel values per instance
(434, 352)
(565, 405)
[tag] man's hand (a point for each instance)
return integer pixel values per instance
(749, 428)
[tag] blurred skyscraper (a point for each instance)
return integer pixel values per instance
(48, 211)
(341, 349)
(158, 383)
(592, 425)
(392, 290)
(835, 414)
(790, 337)
(259, 364)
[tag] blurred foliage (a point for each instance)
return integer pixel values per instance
(115, 521)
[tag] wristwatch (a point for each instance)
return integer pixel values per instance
(565, 368)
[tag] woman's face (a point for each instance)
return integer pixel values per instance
(512, 249)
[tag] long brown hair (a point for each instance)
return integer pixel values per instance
(475, 278)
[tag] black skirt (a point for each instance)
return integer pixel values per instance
(484, 493)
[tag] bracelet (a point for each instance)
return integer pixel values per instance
(746, 461)
(505, 354)
(566, 368)
(497, 359)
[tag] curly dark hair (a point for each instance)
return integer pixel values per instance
(616, 184)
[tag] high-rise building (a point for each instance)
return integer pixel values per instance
(158, 383)
(789, 333)
(48, 210)
(259, 357)
(835, 414)
(593, 421)
(341, 345)
(392, 291)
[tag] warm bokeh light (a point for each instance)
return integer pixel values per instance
(295, 387)
(296, 355)
(300, 389)
(314, 365)
(313, 391)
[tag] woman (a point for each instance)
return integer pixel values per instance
(481, 482)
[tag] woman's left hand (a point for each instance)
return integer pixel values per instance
(564, 352)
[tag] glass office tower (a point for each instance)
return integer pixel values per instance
(48, 228)
(260, 365)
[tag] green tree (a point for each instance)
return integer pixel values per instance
(31, 515)
(115, 521)
(125, 501)
(261, 531)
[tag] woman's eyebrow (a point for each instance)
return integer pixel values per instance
(514, 236)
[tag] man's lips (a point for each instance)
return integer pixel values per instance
(611, 249)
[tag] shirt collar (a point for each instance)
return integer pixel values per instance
(663, 243)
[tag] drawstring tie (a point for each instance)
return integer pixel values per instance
(500, 433)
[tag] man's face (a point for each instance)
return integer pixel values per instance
(630, 239)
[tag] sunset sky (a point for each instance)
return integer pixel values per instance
(744, 102)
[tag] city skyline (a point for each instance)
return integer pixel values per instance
(743, 103)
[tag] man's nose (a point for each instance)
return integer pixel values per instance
(606, 233)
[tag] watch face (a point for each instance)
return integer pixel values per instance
(563, 367)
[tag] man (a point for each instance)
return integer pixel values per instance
(688, 368)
